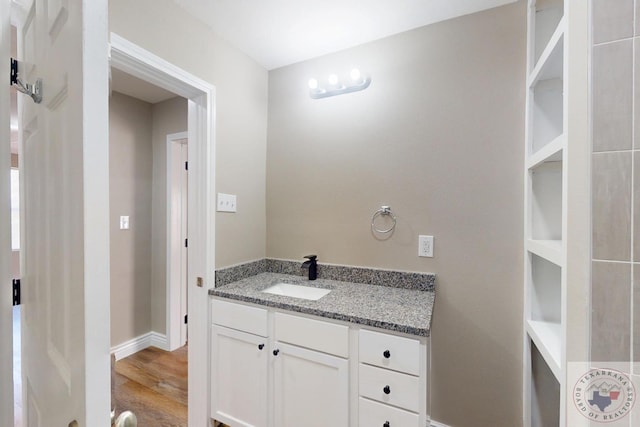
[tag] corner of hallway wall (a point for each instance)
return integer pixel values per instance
(167, 30)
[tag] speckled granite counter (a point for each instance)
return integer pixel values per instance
(402, 310)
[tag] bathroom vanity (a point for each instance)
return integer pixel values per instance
(358, 356)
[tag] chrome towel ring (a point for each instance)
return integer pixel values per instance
(383, 211)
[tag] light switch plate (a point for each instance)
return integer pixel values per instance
(425, 246)
(226, 202)
(124, 222)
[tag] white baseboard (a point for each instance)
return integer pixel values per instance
(437, 424)
(150, 339)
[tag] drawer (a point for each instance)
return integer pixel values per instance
(390, 387)
(390, 351)
(240, 317)
(373, 414)
(314, 334)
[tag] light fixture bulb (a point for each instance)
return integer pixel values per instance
(333, 79)
(313, 84)
(355, 75)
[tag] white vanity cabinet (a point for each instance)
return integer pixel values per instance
(278, 369)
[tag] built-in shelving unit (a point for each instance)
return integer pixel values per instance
(557, 226)
(545, 245)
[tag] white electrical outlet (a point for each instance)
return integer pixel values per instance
(124, 222)
(425, 246)
(226, 202)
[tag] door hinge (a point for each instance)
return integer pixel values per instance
(186, 243)
(186, 166)
(16, 291)
(186, 317)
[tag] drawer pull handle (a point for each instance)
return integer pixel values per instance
(275, 352)
(386, 424)
(386, 354)
(387, 389)
(260, 346)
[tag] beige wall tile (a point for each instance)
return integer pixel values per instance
(637, 32)
(636, 206)
(612, 20)
(612, 96)
(611, 206)
(636, 313)
(611, 309)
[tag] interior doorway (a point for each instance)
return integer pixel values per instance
(148, 197)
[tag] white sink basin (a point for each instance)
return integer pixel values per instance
(297, 291)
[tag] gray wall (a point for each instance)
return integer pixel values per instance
(167, 117)
(438, 136)
(166, 30)
(616, 181)
(130, 177)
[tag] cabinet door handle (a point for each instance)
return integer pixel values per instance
(386, 354)
(386, 424)
(275, 352)
(387, 389)
(260, 346)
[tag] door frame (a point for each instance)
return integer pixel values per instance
(175, 325)
(134, 60)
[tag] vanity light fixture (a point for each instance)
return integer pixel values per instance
(334, 86)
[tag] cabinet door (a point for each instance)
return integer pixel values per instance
(239, 363)
(311, 388)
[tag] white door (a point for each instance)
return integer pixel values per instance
(177, 261)
(311, 388)
(64, 214)
(6, 359)
(239, 367)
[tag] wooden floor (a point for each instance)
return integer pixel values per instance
(153, 385)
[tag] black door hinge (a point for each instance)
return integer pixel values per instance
(186, 316)
(13, 74)
(186, 166)
(186, 243)
(16, 291)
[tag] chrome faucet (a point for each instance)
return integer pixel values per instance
(312, 266)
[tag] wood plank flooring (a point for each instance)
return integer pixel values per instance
(153, 385)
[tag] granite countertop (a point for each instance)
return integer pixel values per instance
(401, 310)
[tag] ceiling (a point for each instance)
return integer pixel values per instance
(276, 33)
(136, 88)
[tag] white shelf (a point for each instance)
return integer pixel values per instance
(548, 13)
(550, 63)
(551, 250)
(551, 152)
(547, 337)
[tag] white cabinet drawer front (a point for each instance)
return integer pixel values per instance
(314, 334)
(390, 387)
(374, 414)
(240, 317)
(389, 351)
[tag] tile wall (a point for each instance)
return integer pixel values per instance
(615, 89)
